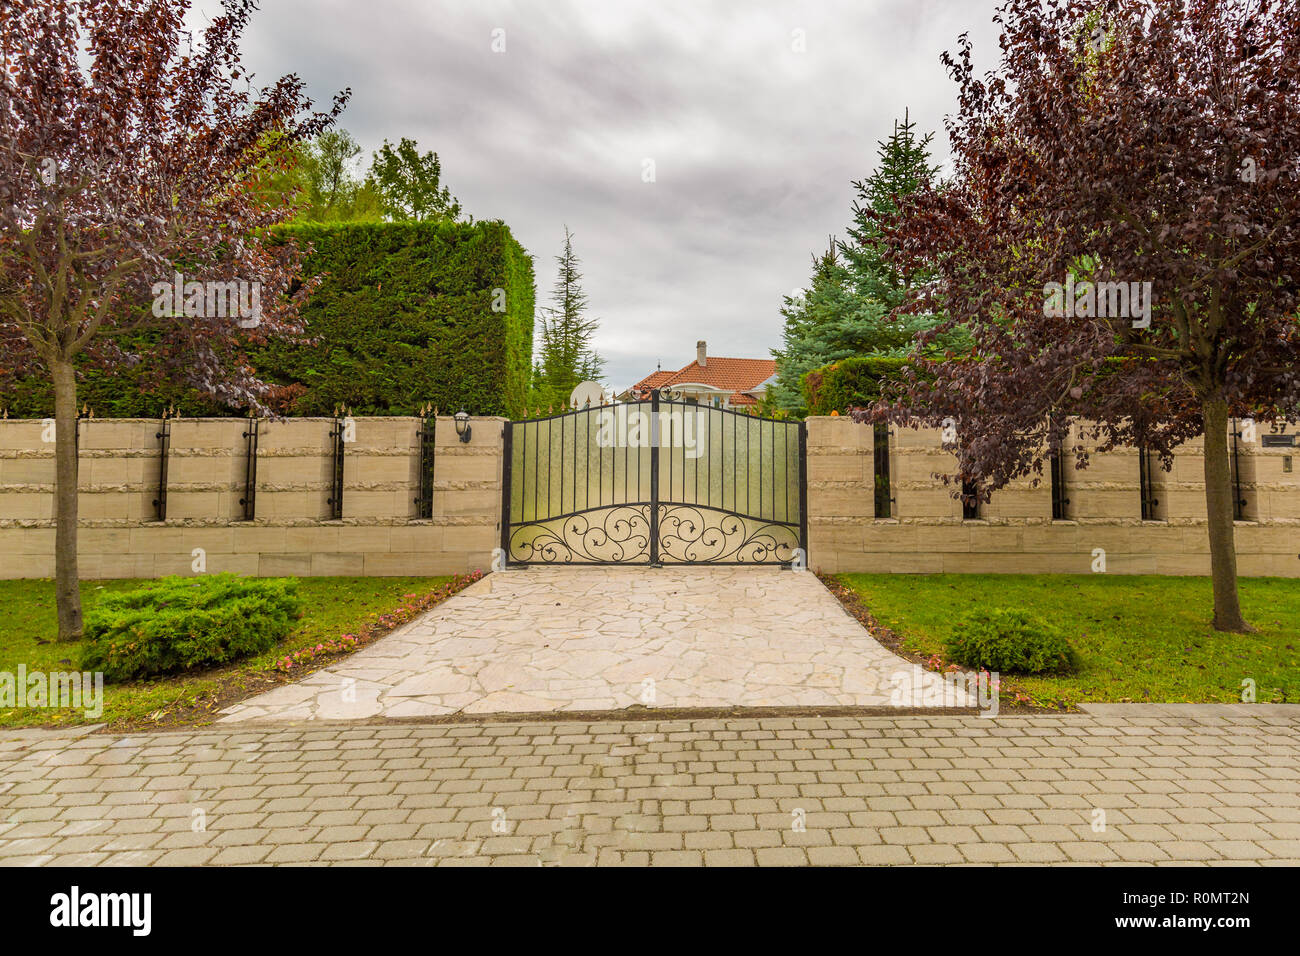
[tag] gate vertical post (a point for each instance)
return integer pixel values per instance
(507, 457)
(803, 490)
(249, 501)
(164, 452)
(428, 439)
(335, 500)
(654, 477)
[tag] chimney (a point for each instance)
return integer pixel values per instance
(701, 353)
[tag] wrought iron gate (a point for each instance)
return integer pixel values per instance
(663, 481)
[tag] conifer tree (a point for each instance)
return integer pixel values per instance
(902, 167)
(822, 325)
(848, 307)
(566, 356)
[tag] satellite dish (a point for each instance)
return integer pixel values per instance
(587, 395)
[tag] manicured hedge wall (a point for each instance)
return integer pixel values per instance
(848, 383)
(404, 315)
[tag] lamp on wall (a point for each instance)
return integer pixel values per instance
(462, 425)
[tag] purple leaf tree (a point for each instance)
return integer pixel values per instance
(1120, 237)
(133, 165)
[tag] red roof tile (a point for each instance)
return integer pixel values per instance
(654, 379)
(740, 375)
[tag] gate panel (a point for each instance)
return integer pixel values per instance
(729, 487)
(663, 481)
(574, 499)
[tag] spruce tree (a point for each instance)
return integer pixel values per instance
(566, 356)
(822, 325)
(846, 309)
(902, 166)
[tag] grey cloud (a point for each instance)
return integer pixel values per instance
(755, 145)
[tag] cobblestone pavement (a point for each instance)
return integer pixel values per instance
(1140, 785)
(554, 639)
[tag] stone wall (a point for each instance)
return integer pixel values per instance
(379, 534)
(291, 532)
(1015, 532)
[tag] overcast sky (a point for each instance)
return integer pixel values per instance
(754, 142)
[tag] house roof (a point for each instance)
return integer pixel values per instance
(654, 379)
(739, 376)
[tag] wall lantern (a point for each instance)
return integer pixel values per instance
(462, 425)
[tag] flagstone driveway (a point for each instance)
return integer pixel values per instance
(577, 639)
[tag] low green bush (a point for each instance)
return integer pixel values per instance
(1011, 641)
(178, 624)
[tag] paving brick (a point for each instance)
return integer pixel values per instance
(986, 852)
(295, 853)
(883, 855)
(1089, 851)
(935, 854)
(832, 856)
(241, 855)
(348, 851)
(729, 858)
(781, 856)
(676, 858)
(927, 789)
(193, 856)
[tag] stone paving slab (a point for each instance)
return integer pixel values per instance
(1144, 788)
(583, 639)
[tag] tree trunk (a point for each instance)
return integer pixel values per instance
(67, 593)
(1218, 506)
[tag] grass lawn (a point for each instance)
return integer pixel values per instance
(1140, 638)
(334, 607)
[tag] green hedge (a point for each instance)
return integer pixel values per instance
(849, 383)
(137, 391)
(403, 316)
(178, 624)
